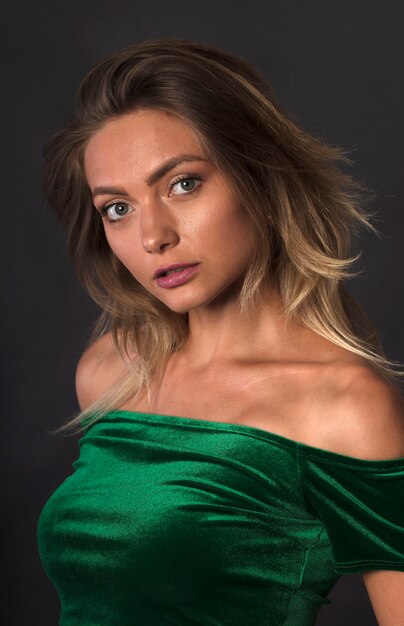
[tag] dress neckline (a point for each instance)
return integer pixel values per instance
(252, 431)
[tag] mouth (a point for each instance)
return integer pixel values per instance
(178, 276)
(166, 271)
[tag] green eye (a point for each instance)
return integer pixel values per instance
(186, 184)
(115, 211)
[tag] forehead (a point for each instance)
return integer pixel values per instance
(140, 139)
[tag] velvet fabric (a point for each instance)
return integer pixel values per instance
(169, 520)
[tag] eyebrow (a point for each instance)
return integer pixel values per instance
(153, 177)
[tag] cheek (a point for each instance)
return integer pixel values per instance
(113, 243)
(123, 248)
(232, 229)
(218, 218)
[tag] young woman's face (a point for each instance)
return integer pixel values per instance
(163, 203)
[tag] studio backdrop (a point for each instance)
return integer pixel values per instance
(336, 67)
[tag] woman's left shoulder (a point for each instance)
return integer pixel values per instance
(368, 414)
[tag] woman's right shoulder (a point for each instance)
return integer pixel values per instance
(98, 369)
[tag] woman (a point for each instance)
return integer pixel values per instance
(243, 440)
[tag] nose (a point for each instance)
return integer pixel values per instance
(158, 229)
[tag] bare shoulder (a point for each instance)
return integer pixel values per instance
(367, 415)
(97, 370)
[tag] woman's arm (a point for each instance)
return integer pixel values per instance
(386, 593)
(97, 370)
(377, 432)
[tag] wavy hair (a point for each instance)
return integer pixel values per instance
(304, 207)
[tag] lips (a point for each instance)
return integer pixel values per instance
(172, 271)
(163, 271)
(178, 277)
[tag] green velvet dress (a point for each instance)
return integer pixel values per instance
(170, 520)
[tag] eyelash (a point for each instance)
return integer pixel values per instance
(103, 210)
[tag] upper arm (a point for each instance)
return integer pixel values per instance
(368, 418)
(386, 593)
(372, 417)
(97, 370)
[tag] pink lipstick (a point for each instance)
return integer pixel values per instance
(177, 277)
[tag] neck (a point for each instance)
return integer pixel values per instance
(218, 333)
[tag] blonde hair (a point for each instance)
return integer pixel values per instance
(305, 210)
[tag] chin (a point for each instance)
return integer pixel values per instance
(176, 308)
(183, 304)
(181, 307)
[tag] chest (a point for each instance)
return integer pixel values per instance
(160, 520)
(289, 401)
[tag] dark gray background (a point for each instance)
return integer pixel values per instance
(337, 66)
